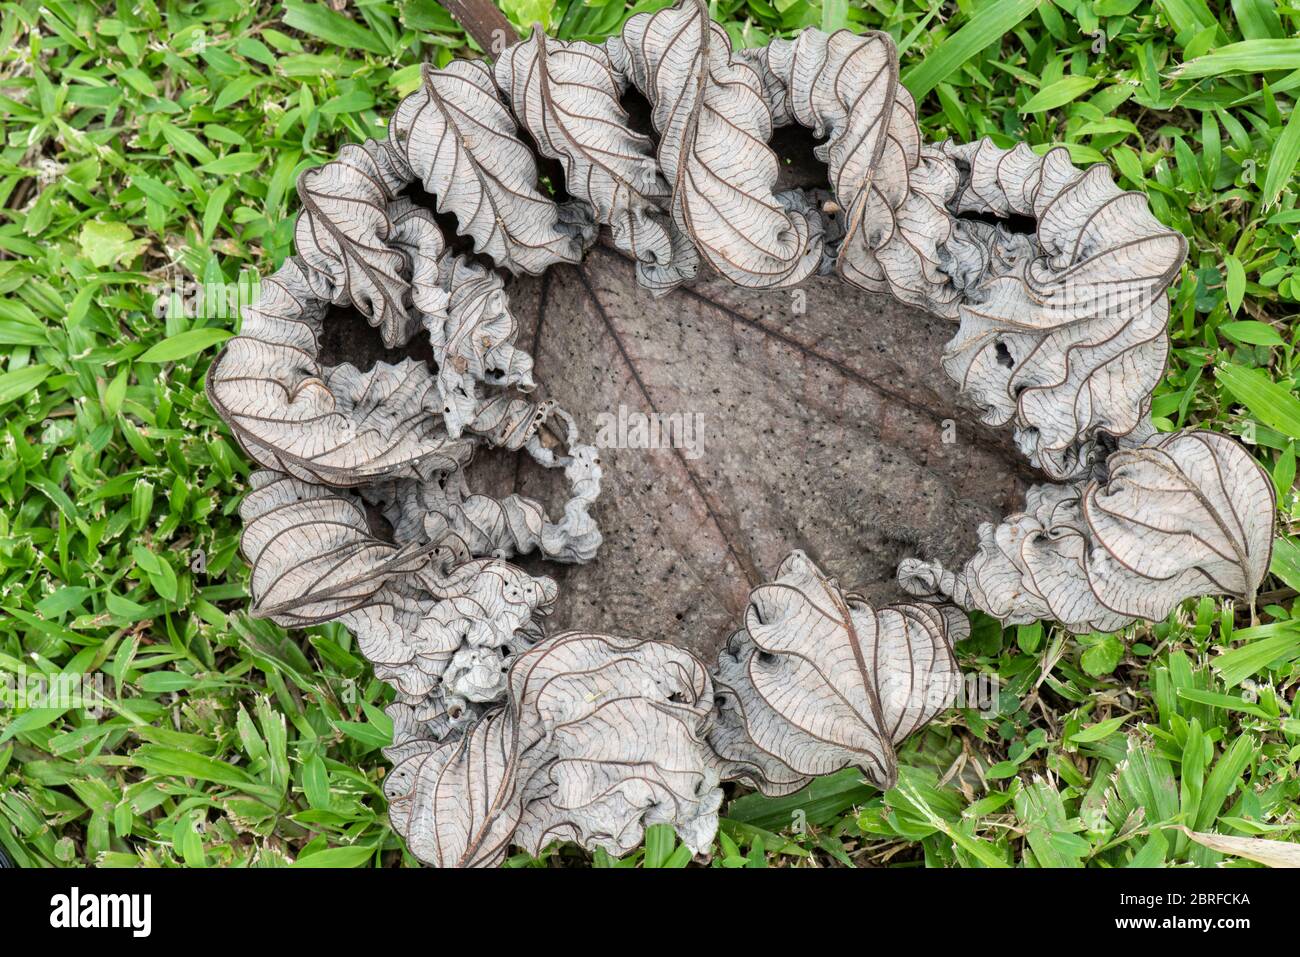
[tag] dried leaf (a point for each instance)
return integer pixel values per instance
(842, 86)
(1259, 850)
(337, 426)
(1071, 339)
(1191, 515)
(733, 425)
(623, 725)
(897, 230)
(459, 140)
(819, 680)
(443, 508)
(738, 422)
(456, 803)
(713, 124)
(566, 95)
(466, 313)
(313, 554)
(600, 737)
(441, 638)
(343, 237)
(1187, 515)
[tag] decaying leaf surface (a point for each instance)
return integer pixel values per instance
(813, 418)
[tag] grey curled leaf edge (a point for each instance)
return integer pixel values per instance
(363, 512)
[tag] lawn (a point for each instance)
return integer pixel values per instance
(146, 147)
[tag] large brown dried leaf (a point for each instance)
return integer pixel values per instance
(824, 417)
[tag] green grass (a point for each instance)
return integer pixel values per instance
(144, 142)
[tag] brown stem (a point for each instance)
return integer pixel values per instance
(485, 22)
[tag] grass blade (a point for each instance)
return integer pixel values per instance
(992, 22)
(1270, 402)
(1282, 162)
(1247, 56)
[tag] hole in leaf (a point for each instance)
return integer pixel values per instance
(1014, 223)
(1005, 358)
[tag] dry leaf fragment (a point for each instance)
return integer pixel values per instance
(599, 737)
(713, 125)
(1189, 514)
(456, 803)
(567, 96)
(313, 555)
(622, 723)
(842, 86)
(336, 426)
(1257, 849)
(344, 234)
(444, 509)
(818, 680)
(441, 638)
(456, 136)
(466, 313)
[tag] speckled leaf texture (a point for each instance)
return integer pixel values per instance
(820, 427)
(606, 410)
